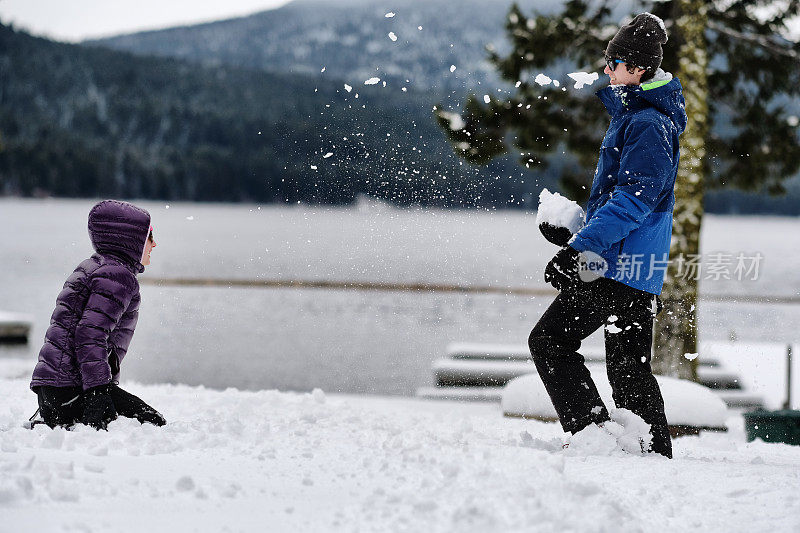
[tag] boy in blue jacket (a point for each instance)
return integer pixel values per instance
(626, 239)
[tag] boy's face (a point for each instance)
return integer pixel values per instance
(620, 75)
(148, 247)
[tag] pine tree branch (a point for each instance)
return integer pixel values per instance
(759, 40)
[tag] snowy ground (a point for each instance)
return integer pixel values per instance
(272, 461)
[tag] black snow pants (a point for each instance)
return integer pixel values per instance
(556, 339)
(63, 406)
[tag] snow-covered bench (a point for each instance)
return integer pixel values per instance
(14, 327)
(478, 372)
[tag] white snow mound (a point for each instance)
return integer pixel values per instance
(685, 402)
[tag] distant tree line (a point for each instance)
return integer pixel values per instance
(84, 121)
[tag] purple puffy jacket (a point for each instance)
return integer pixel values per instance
(97, 310)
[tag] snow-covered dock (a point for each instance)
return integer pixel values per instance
(14, 327)
(289, 462)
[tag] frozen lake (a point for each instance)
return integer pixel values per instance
(344, 340)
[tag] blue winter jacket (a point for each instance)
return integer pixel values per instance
(629, 213)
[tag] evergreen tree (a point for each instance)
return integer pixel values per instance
(739, 71)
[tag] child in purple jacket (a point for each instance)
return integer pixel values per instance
(77, 376)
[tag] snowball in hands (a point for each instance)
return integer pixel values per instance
(558, 217)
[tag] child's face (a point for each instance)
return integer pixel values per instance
(620, 76)
(148, 247)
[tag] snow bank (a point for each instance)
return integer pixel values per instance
(685, 402)
(559, 211)
(285, 462)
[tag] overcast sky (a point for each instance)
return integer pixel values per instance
(75, 20)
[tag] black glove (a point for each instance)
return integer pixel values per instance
(562, 270)
(98, 407)
(558, 235)
(113, 362)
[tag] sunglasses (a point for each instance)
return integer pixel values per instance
(612, 63)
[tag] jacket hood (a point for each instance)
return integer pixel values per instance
(663, 93)
(119, 229)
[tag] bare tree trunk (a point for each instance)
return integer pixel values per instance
(676, 326)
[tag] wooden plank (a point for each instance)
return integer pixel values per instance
(498, 372)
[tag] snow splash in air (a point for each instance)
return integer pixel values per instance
(583, 78)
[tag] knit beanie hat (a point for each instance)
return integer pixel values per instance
(639, 42)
